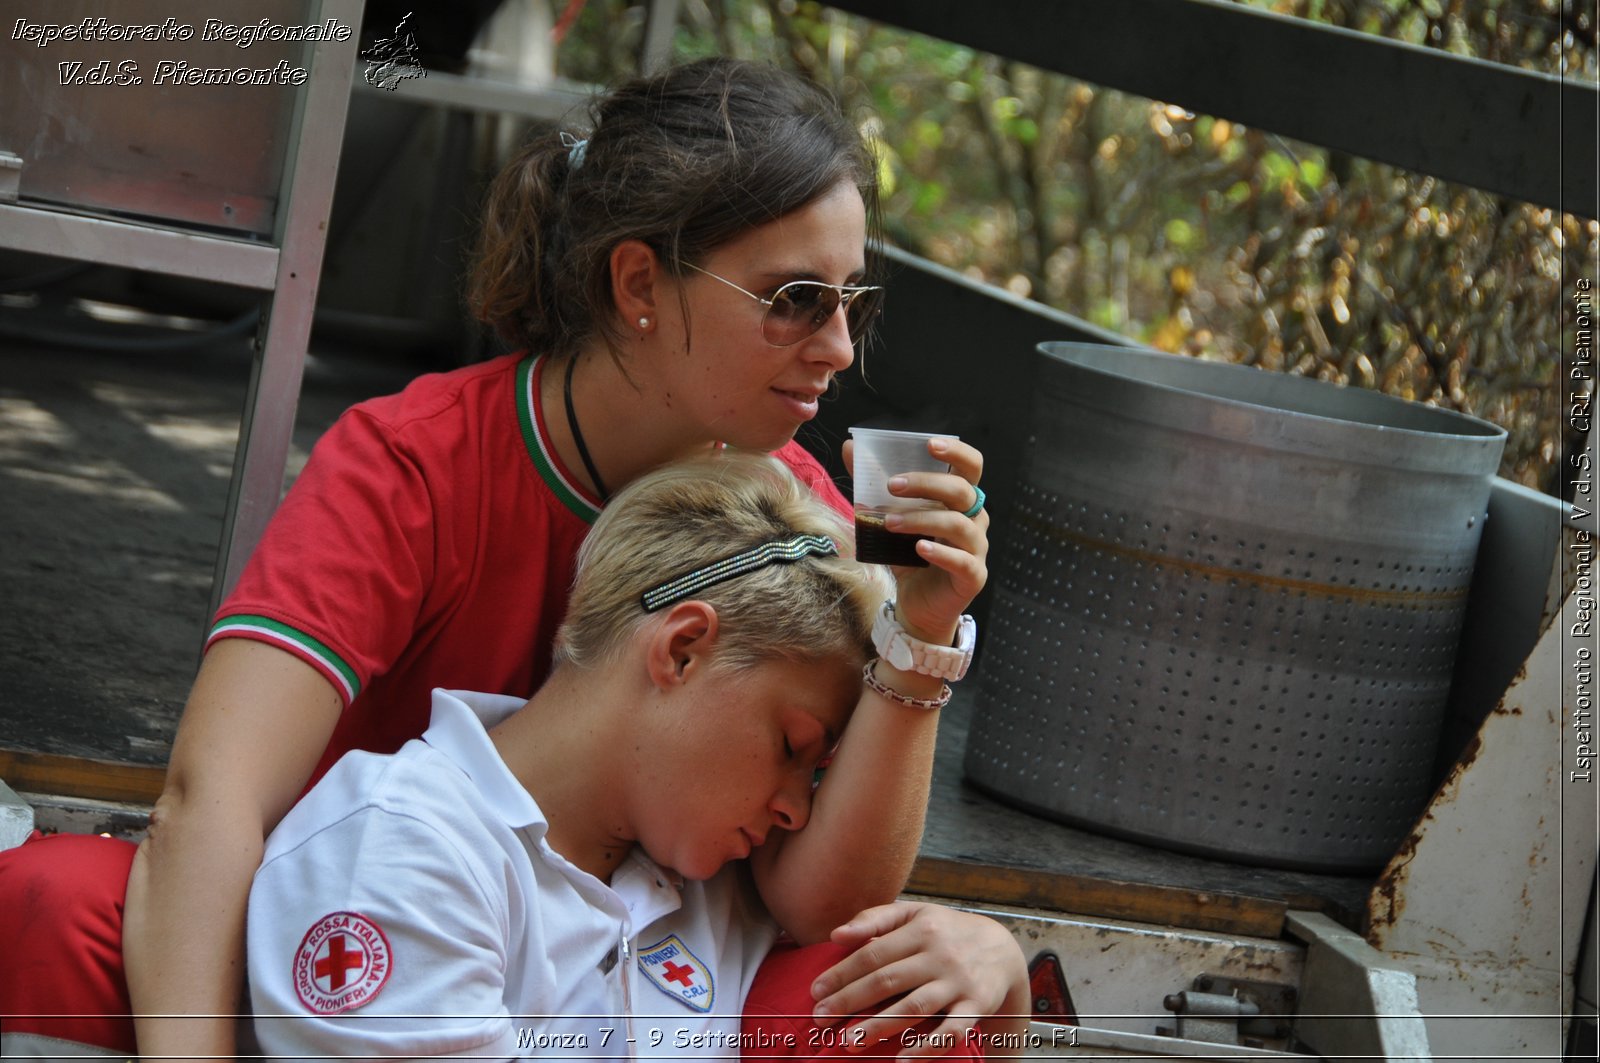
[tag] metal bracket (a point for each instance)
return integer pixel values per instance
(1232, 1011)
(10, 177)
(1356, 1002)
(1209, 1017)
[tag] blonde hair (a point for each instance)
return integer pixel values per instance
(691, 513)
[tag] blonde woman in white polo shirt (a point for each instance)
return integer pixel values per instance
(570, 875)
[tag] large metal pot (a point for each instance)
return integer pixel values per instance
(1227, 607)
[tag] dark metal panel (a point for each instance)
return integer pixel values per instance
(951, 355)
(1505, 609)
(1525, 135)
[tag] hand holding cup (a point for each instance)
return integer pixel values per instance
(912, 494)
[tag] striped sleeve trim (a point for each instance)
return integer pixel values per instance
(325, 660)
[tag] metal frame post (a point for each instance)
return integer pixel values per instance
(301, 228)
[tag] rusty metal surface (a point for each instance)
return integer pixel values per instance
(1118, 973)
(1487, 897)
(1227, 607)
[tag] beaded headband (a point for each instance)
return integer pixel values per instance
(781, 551)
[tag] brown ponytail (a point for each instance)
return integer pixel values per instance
(684, 161)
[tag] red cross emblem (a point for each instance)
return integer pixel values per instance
(342, 956)
(678, 972)
(341, 964)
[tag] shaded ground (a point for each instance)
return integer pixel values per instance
(114, 471)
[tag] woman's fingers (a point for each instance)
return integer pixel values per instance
(864, 979)
(930, 973)
(944, 525)
(952, 492)
(967, 573)
(965, 460)
(874, 922)
(899, 1023)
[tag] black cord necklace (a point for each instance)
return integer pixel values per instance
(577, 434)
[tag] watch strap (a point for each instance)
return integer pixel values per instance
(909, 654)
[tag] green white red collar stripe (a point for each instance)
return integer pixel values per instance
(536, 435)
(324, 659)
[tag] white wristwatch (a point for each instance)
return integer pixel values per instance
(913, 655)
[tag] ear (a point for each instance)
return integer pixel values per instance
(679, 647)
(636, 274)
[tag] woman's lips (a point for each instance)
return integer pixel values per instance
(803, 403)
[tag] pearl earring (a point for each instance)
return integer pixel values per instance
(644, 322)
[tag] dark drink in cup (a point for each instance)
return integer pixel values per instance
(880, 455)
(880, 546)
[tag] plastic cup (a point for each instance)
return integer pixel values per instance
(880, 454)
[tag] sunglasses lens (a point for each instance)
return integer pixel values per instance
(800, 308)
(861, 312)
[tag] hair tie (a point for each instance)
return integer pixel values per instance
(781, 551)
(576, 149)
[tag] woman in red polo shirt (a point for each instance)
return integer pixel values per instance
(691, 272)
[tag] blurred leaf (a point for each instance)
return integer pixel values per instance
(1005, 107)
(1181, 235)
(1278, 167)
(931, 195)
(1169, 335)
(1023, 130)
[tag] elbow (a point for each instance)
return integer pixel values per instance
(185, 817)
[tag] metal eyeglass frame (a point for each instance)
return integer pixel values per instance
(847, 294)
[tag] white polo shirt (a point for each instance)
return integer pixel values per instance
(410, 906)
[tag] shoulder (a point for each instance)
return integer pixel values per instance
(428, 438)
(434, 395)
(394, 808)
(811, 472)
(381, 903)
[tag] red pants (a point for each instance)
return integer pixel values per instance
(61, 972)
(61, 936)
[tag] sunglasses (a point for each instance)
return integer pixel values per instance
(800, 308)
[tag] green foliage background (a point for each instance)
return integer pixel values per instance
(1191, 233)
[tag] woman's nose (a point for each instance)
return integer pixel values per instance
(831, 344)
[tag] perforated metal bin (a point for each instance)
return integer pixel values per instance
(1226, 609)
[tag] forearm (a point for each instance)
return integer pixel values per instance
(255, 723)
(183, 933)
(866, 822)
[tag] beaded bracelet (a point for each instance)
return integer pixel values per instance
(877, 686)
